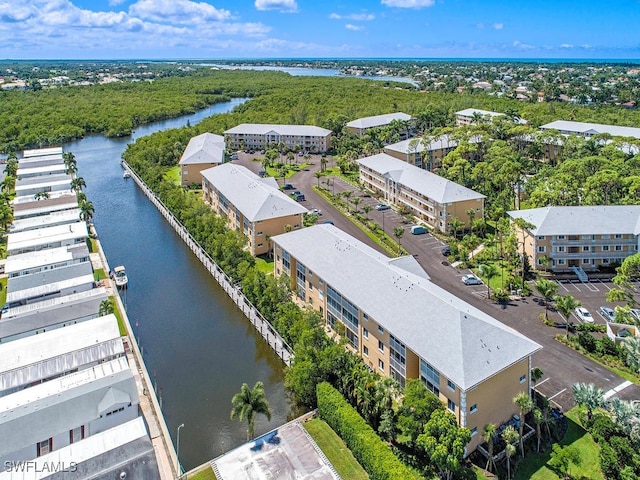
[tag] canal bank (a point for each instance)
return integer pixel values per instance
(197, 346)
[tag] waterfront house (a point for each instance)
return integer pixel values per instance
(35, 185)
(252, 204)
(203, 151)
(43, 171)
(404, 326)
(257, 136)
(583, 237)
(47, 237)
(361, 125)
(60, 217)
(430, 197)
(28, 206)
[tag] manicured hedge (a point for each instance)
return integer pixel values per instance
(374, 455)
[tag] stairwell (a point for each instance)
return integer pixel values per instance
(582, 275)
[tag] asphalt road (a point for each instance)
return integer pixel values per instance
(562, 366)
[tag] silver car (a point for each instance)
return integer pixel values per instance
(608, 313)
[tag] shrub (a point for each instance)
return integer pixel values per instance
(603, 428)
(587, 342)
(374, 455)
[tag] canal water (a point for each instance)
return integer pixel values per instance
(197, 346)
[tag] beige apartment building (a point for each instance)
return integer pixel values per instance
(361, 125)
(428, 196)
(425, 153)
(251, 204)
(585, 237)
(468, 116)
(203, 151)
(404, 326)
(257, 136)
(587, 130)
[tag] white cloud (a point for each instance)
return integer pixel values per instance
(357, 17)
(566, 45)
(281, 5)
(586, 45)
(408, 3)
(498, 26)
(355, 28)
(115, 3)
(523, 46)
(177, 11)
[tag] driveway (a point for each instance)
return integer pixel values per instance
(562, 366)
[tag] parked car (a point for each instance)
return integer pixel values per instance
(262, 173)
(300, 197)
(287, 186)
(382, 206)
(316, 211)
(608, 313)
(418, 230)
(636, 313)
(583, 315)
(295, 192)
(470, 279)
(328, 222)
(446, 250)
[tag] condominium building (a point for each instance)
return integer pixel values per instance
(258, 136)
(361, 125)
(404, 326)
(586, 237)
(587, 130)
(428, 196)
(425, 153)
(203, 151)
(471, 116)
(252, 204)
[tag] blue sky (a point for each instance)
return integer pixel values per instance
(114, 29)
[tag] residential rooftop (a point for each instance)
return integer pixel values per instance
(469, 112)
(30, 239)
(59, 217)
(426, 183)
(582, 220)
(30, 295)
(589, 129)
(49, 256)
(378, 120)
(48, 276)
(290, 130)
(460, 341)
(204, 149)
(41, 171)
(27, 206)
(257, 198)
(42, 152)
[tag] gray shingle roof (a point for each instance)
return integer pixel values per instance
(263, 129)
(463, 343)
(378, 120)
(428, 184)
(257, 198)
(592, 128)
(582, 220)
(206, 148)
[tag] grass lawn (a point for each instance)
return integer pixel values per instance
(99, 274)
(116, 311)
(534, 466)
(291, 170)
(93, 245)
(205, 474)
(3, 291)
(336, 451)
(265, 265)
(496, 282)
(173, 175)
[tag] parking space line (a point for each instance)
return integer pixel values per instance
(540, 383)
(604, 284)
(562, 285)
(556, 394)
(574, 285)
(617, 389)
(590, 286)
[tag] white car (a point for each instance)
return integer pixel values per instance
(315, 211)
(583, 315)
(471, 280)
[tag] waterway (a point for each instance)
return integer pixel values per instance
(197, 346)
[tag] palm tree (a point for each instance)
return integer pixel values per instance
(8, 184)
(11, 168)
(398, 232)
(323, 162)
(589, 396)
(355, 201)
(525, 404)
(489, 435)
(77, 184)
(318, 174)
(86, 210)
(248, 403)
(537, 419)
(366, 209)
(548, 289)
(524, 227)
(455, 223)
(69, 160)
(510, 436)
(43, 195)
(488, 271)
(472, 214)
(565, 305)
(6, 215)
(105, 308)
(632, 348)
(536, 375)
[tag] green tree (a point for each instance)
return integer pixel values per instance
(548, 289)
(489, 434)
(456, 224)
(355, 201)
(525, 404)
(106, 307)
(523, 228)
(488, 271)
(562, 458)
(589, 396)
(537, 419)
(510, 436)
(248, 403)
(566, 304)
(444, 441)
(11, 168)
(631, 347)
(43, 195)
(366, 209)
(623, 280)
(77, 184)
(86, 210)
(318, 174)
(398, 232)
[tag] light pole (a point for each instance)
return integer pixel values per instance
(178, 470)
(383, 212)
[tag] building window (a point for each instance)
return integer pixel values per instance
(541, 237)
(451, 405)
(380, 346)
(76, 434)
(365, 333)
(474, 408)
(585, 248)
(561, 249)
(474, 431)
(605, 248)
(585, 260)
(45, 446)
(430, 376)
(560, 237)
(451, 385)
(259, 233)
(365, 351)
(561, 261)
(365, 316)
(618, 235)
(618, 248)
(542, 249)
(380, 329)
(381, 365)
(523, 378)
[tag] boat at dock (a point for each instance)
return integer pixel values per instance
(119, 277)
(126, 174)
